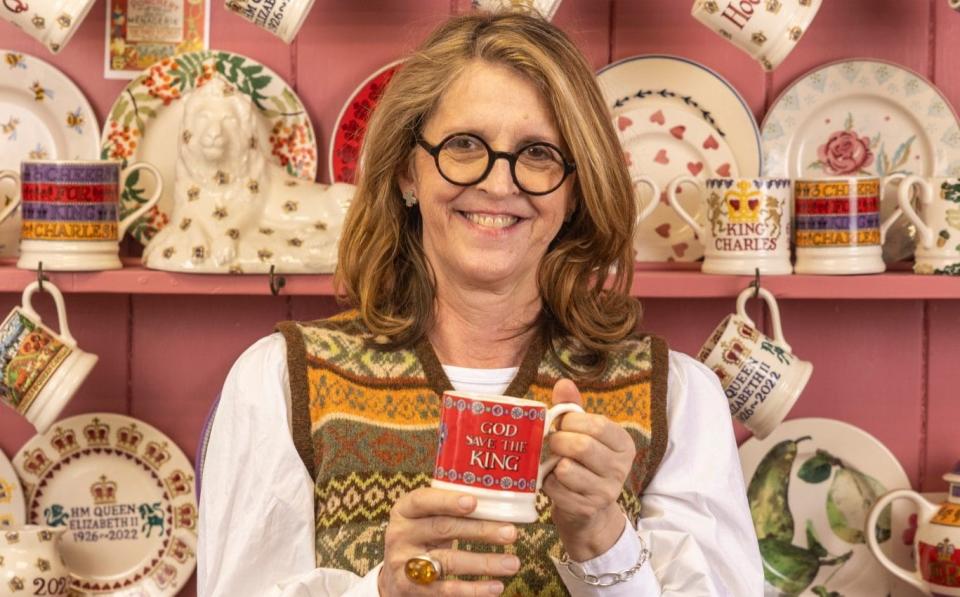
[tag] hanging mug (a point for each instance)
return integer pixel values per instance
(938, 223)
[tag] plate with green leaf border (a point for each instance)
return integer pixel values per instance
(144, 122)
(810, 486)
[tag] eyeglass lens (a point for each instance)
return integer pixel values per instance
(464, 159)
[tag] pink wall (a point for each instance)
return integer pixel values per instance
(889, 366)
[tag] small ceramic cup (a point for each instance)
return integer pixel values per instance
(51, 22)
(283, 18)
(41, 369)
(70, 212)
(761, 376)
(9, 204)
(767, 30)
(838, 227)
(938, 223)
(748, 223)
(490, 446)
(547, 8)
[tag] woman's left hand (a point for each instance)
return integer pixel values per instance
(596, 455)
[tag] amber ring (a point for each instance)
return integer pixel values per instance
(423, 569)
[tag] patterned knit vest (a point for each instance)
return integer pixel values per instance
(365, 423)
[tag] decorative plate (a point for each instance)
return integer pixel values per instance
(12, 509)
(145, 120)
(664, 141)
(863, 118)
(352, 123)
(811, 484)
(634, 81)
(43, 115)
(124, 492)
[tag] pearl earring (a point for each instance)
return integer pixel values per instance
(409, 198)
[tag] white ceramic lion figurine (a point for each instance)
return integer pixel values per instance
(234, 211)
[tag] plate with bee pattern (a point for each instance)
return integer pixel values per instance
(43, 116)
(12, 507)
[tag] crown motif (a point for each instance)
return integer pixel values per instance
(128, 438)
(180, 551)
(743, 204)
(186, 517)
(165, 575)
(156, 454)
(104, 492)
(97, 433)
(178, 483)
(734, 352)
(64, 441)
(748, 332)
(722, 375)
(36, 462)
(945, 551)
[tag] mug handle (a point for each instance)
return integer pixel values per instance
(48, 286)
(771, 301)
(131, 218)
(885, 226)
(16, 200)
(645, 210)
(926, 196)
(552, 413)
(926, 512)
(672, 189)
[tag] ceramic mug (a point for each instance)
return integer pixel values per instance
(645, 208)
(51, 22)
(70, 212)
(761, 376)
(838, 227)
(490, 446)
(938, 223)
(547, 8)
(748, 223)
(31, 562)
(283, 18)
(766, 29)
(41, 369)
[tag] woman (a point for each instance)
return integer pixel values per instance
(493, 200)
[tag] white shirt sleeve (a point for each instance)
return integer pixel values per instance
(695, 518)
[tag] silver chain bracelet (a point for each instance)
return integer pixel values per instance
(606, 579)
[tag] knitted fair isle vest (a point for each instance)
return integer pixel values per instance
(365, 423)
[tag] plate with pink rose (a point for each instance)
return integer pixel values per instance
(863, 118)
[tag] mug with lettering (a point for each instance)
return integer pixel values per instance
(40, 370)
(761, 376)
(938, 223)
(70, 211)
(838, 225)
(748, 223)
(283, 18)
(767, 30)
(51, 22)
(490, 447)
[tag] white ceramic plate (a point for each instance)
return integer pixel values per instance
(863, 117)
(631, 82)
(664, 141)
(12, 511)
(43, 115)
(144, 123)
(853, 450)
(125, 493)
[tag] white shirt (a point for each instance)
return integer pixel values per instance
(257, 511)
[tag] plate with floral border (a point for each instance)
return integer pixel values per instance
(347, 137)
(676, 81)
(810, 485)
(144, 122)
(12, 509)
(664, 142)
(124, 492)
(863, 118)
(43, 115)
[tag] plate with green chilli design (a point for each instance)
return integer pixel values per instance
(810, 485)
(144, 124)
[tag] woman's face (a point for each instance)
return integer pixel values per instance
(490, 234)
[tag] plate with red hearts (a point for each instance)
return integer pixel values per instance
(347, 137)
(663, 141)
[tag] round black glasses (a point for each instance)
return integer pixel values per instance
(465, 159)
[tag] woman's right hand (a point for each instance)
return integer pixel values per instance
(427, 520)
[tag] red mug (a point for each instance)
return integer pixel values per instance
(490, 447)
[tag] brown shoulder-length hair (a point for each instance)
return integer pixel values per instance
(383, 271)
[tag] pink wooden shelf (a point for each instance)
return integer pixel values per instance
(647, 283)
